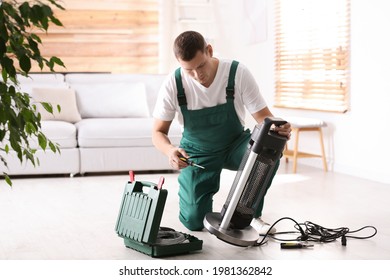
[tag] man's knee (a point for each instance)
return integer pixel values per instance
(192, 217)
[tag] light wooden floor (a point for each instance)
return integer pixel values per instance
(62, 218)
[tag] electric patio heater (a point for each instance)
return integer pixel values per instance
(232, 224)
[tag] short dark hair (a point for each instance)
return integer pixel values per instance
(187, 44)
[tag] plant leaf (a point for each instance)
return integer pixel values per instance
(3, 47)
(36, 38)
(8, 64)
(56, 4)
(58, 61)
(56, 21)
(30, 156)
(25, 11)
(4, 74)
(30, 128)
(48, 107)
(53, 147)
(2, 134)
(25, 63)
(8, 180)
(42, 140)
(33, 45)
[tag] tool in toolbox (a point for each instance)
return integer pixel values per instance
(139, 219)
(232, 224)
(190, 162)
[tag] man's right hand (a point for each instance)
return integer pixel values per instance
(174, 160)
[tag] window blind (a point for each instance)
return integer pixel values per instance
(312, 47)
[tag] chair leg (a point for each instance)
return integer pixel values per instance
(323, 150)
(295, 155)
(286, 149)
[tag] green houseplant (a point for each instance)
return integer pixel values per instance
(19, 49)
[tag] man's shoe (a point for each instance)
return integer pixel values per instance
(262, 227)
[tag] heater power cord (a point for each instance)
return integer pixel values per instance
(311, 232)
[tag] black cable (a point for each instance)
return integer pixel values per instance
(317, 233)
(309, 231)
(263, 241)
(358, 237)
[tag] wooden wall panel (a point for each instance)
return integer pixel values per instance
(118, 36)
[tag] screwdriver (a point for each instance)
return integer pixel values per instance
(293, 245)
(190, 162)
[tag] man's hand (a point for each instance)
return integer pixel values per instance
(173, 157)
(284, 130)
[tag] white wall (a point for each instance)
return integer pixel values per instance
(357, 141)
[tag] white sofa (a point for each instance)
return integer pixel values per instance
(104, 124)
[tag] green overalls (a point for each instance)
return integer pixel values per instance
(214, 138)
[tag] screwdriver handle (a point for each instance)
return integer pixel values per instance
(190, 162)
(186, 160)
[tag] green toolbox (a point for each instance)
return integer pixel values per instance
(139, 220)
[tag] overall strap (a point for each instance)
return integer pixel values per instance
(181, 97)
(232, 75)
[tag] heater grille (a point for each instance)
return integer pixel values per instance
(254, 186)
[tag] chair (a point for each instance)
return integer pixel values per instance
(298, 125)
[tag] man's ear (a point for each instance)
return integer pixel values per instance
(209, 50)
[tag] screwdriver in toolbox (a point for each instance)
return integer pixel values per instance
(190, 162)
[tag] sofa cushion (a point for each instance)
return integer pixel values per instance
(112, 100)
(64, 97)
(120, 132)
(60, 132)
(152, 82)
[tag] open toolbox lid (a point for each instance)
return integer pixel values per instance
(141, 211)
(139, 221)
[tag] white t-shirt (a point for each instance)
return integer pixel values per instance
(246, 93)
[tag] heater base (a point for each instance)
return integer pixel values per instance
(240, 237)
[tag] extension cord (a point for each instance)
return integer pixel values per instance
(316, 233)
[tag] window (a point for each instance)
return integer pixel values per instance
(312, 48)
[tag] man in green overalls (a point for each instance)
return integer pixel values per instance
(210, 96)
